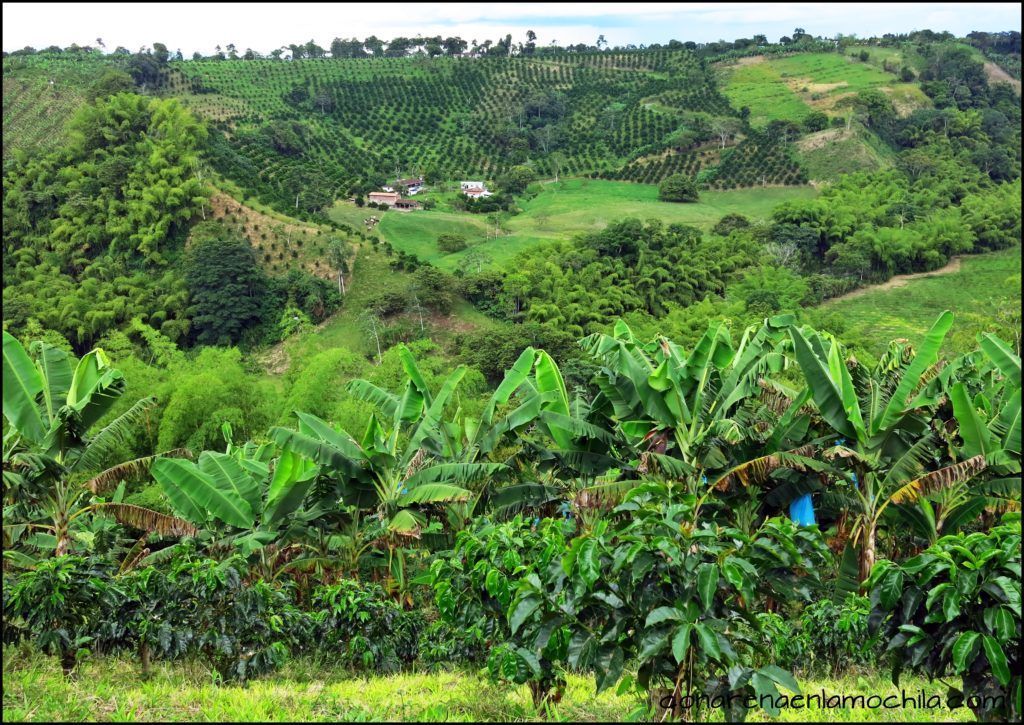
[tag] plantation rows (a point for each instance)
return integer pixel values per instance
(35, 110)
(652, 171)
(755, 161)
(355, 121)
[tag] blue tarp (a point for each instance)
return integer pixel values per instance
(801, 510)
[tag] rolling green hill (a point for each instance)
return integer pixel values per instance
(350, 121)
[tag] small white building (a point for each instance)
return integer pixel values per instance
(474, 189)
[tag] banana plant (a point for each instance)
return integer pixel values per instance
(51, 462)
(395, 468)
(256, 489)
(983, 387)
(690, 416)
(881, 417)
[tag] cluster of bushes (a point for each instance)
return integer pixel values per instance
(194, 607)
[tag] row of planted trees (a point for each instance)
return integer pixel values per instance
(636, 531)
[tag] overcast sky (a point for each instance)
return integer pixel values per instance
(263, 27)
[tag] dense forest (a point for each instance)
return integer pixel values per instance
(609, 421)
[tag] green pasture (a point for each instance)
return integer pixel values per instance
(984, 295)
(788, 88)
(827, 155)
(563, 210)
(110, 689)
(760, 87)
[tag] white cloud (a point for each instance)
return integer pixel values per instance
(195, 26)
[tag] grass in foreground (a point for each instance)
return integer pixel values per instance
(110, 689)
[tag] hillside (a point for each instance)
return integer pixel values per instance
(41, 95)
(355, 120)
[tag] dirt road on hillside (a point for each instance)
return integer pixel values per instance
(900, 280)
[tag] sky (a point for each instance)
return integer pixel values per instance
(264, 26)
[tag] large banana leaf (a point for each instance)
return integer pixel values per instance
(975, 434)
(1003, 357)
(147, 520)
(56, 369)
(940, 479)
(758, 469)
(195, 494)
(433, 493)
(22, 386)
(317, 441)
(848, 576)
(432, 417)
(293, 477)
(513, 380)
(454, 473)
(549, 380)
(95, 387)
(826, 394)
(230, 476)
(510, 500)
(1009, 421)
(926, 356)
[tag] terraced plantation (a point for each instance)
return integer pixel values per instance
(40, 98)
(355, 120)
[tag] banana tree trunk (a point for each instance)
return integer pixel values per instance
(63, 534)
(867, 552)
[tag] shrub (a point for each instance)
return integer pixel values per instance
(657, 590)
(956, 608)
(826, 639)
(729, 223)
(678, 187)
(388, 303)
(239, 629)
(365, 629)
(63, 604)
(442, 643)
(448, 243)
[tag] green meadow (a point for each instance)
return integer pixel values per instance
(984, 295)
(560, 211)
(790, 87)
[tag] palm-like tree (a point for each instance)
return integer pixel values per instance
(51, 462)
(688, 415)
(882, 418)
(391, 469)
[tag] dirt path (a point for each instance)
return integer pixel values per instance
(997, 74)
(900, 280)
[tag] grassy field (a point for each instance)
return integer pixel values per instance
(828, 154)
(760, 87)
(788, 88)
(109, 689)
(563, 210)
(985, 290)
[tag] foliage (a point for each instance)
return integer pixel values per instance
(583, 285)
(101, 219)
(363, 628)
(956, 607)
(61, 605)
(451, 243)
(677, 188)
(225, 285)
(824, 639)
(656, 588)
